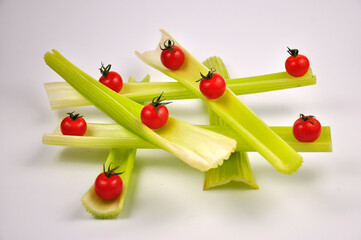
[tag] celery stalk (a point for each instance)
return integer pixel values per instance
(101, 135)
(124, 158)
(232, 110)
(199, 148)
(62, 95)
(237, 168)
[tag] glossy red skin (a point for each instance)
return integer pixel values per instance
(308, 131)
(108, 188)
(172, 60)
(75, 128)
(113, 80)
(150, 117)
(213, 88)
(297, 66)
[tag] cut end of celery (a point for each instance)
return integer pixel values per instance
(237, 168)
(100, 208)
(127, 113)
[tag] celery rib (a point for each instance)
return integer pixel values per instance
(62, 95)
(124, 158)
(232, 110)
(237, 167)
(101, 135)
(176, 137)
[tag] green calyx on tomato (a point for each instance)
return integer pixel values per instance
(306, 118)
(111, 172)
(105, 70)
(208, 76)
(74, 116)
(157, 102)
(292, 52)
(168, 45)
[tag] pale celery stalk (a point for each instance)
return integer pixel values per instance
(237, 168)
(231, 109)
(62, 95)
(199, 148)
(124, 158)
(101, 135)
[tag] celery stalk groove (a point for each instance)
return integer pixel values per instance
(176, 137)
(124, 158)
(101, 135)
(237, 167)
(232, 110)
(62, 95)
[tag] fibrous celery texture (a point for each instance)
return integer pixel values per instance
(62, 95)
(231, 109)
(101, 135)
(124, 158)
(198, 147)
(237, 167)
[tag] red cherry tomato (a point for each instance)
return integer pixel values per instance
(213, 85)
(172, 56)
(73, 125)
(296, 65)
(108, 185)
(111, 79)
(306, 128)
(155, 114)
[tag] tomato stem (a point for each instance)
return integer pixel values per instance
(74, 116)
(157, 102)
(105, 70)
(168, 45)
(208, 76)
(110, 172)
(292, 52)
(307, 118)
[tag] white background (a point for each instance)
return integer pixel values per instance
(41, 186)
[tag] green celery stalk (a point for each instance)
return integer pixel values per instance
(199, 148)
(101, 135)
(124, 158)
(232, 110)
(237, 167)
(62, 95)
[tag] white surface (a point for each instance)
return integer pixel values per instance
(41, 186)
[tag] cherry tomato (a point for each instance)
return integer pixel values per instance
(111, 79)
(296, 65)
(212, 85)
(73, 125)
(306, 128)
(155, 114)
(108, 185)
(172, 56)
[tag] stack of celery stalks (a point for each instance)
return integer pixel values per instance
(219, 149)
